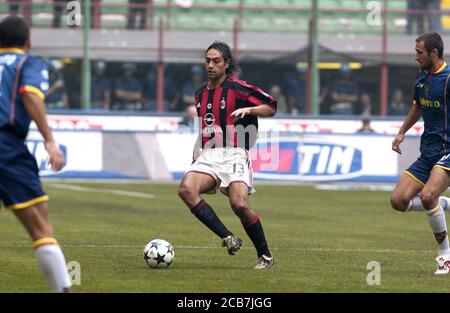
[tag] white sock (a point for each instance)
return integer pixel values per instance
(436, 219)
(416, 204)
(53, 265)
(444, 202)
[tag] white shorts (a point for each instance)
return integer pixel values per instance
(225, 165)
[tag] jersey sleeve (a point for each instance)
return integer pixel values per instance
(34, 77)
(257, 97)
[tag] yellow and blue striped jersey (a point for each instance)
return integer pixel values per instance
(19, 73)
(429, 93)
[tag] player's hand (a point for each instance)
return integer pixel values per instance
(240, 113)
(396, 143)
(55, 155)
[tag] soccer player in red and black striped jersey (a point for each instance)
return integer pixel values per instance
(228, 111)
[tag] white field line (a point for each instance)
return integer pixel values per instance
(339, 250)
(355, 186)
(98, 190)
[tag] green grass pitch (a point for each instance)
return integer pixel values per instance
(322, 242)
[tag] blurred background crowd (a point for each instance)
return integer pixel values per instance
(348, 84)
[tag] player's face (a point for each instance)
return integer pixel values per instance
(215, 64)
(423, 57)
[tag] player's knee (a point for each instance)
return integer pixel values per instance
(398, 203)
(240, 206)
(185, 192)
(429, 198)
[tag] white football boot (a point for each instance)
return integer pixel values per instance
(264, 262)
(443, 262)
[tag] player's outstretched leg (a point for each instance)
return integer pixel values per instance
(255, 231)
(438, 182)
(405, 197)
(192, 185)
(208, 217)
(48, 253)
(436, 219)
(238, 193)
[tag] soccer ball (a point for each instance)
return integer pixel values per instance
(158, 253)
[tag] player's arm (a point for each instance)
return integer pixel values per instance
(35, 107)
(258, 103)
(262, 110)
(414, 114)
(198, 142)
(197, 148)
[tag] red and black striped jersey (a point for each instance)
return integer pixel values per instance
(214, 108)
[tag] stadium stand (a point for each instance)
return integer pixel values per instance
(347, 16)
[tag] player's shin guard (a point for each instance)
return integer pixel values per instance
(208, 217)
(255, 232)
(436, 219)
(52, 263)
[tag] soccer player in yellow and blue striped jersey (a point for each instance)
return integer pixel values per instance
(23, 85)
(429, 175)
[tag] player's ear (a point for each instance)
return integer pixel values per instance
(227, 63)
(435, 52)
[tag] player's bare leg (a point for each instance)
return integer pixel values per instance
(48, 253)
(406, 189)
(194, 184)
(437, 183)
(406, 198)
(238, 195)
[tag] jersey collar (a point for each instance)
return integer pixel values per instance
(440, 69)
(12, 50)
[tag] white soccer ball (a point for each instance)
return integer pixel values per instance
(158, 253)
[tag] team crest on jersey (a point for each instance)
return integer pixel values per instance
(198, 105)
(209, 105)
(222, 103)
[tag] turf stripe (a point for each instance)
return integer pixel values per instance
(98, 190)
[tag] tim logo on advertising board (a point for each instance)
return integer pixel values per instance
(37, 149)
(310, 160)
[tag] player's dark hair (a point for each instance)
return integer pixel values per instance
(14, 32)
(225, 50)
(432, 41)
